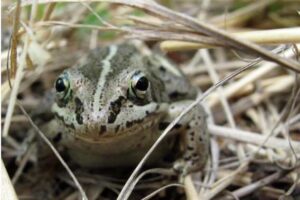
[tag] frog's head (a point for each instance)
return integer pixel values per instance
(110, 93)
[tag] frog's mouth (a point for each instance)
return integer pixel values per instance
(126, 129)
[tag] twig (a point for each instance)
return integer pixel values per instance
(7, 189)
(190, 189)
(261, 183)
(199, 69)
(61, 160)
(200, 27)
(251, 77)
(49, 9)
(240, 15)
(251, 137)
(274, 36)
(72, 25)
(223, 183)
(22, 164)
(215, 79)
(161, 189)
(155, 170)
(282, 84)
(18, 78)
(14, 42)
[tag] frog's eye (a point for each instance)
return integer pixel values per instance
(62, 84)
(139, 85)
(62, 87)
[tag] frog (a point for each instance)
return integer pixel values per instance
(115, 102)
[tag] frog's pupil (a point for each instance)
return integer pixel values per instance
(142, 84)
(60, 85)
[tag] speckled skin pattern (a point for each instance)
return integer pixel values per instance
(112, 106)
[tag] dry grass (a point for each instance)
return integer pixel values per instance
(251, 93)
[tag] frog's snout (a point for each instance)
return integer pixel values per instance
(96, 118)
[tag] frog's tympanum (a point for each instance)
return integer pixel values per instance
(113, 105)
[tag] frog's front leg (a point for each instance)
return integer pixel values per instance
(195, 137)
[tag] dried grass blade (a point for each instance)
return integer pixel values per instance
(18, 78)
(252, 138)
(273, 36)
(251, 77)
(261, 183)
(200, 27)
(49, 10)
(7, 189)
(56, 153)
(219, 34)
(14, 41)
(240, 15)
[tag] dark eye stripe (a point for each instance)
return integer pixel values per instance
(115, 108)
(78, 110)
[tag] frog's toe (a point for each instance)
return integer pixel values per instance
(188, 165)
(182, 167)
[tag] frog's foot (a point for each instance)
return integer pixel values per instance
(181, 167)
(194, 157)
(184, 167)
(196, 142)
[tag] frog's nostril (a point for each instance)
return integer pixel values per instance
(99, 117)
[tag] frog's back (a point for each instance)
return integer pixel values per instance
(176, 84)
